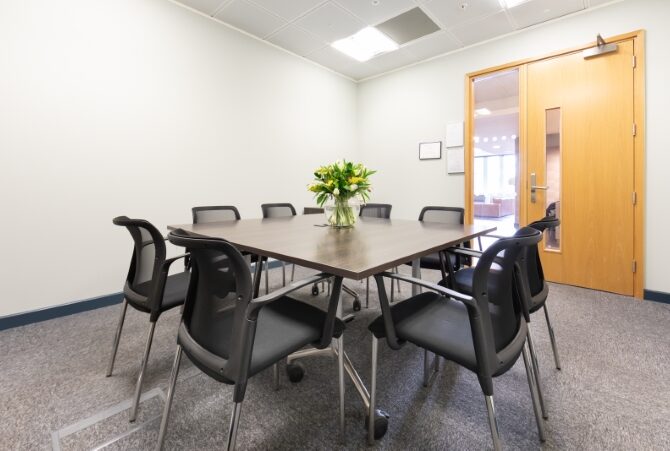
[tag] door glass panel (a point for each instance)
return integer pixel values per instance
(553, 176)
(496, 151)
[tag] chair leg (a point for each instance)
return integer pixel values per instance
(552, 337)
(533, 392)
(493, 423)
(267, 276)
(283, 274)
(140, 377)
(117, 338)
(367, 292)
(168, 401)
(340, 377)
(536, 370)
(234, 423)
(275, 375)
(373, 392)
(293, 272)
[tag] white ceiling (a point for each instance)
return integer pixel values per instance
(308, 27)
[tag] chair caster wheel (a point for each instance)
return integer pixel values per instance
(315, 290)
(357, 305)
(381, 423)
(295, 372)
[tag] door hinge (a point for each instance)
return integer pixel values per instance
(634, 198)
(634, 61)
(634, 129)
(634, 266)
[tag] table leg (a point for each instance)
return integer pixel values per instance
(416, 273)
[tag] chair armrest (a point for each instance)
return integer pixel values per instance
(464, 251)
(464, 298)
(159, 288)
(257, 303)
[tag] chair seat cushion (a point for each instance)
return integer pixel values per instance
(432, 261)
(435, 323)
(284, 326)
(176, 286)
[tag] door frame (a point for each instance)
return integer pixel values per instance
(638, 38)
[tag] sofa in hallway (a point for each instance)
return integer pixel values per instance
(496, 208)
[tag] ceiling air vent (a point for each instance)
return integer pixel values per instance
(408, 26)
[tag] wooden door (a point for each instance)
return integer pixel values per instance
(580, 138)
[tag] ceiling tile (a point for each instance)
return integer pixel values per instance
(288, 9)
(250, 18)
(332, 58)
(483, 29)
(208, 7)
(330, 23)
(537, 11)
(435, 44)
(392, 60)
(296, 40)
(450, 13)
(373, 14)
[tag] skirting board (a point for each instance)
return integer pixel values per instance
(657, 296)
(36, 316)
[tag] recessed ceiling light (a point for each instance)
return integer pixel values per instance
(494, 139)
(496, 147)
(511, 3)
(513, 136)
(367, 43)
(476, 139)
(486, 140)
(482, 112)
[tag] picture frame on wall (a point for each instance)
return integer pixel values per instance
(430, 150)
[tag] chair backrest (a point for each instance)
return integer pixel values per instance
(376, 211)
(495, 288)
(148, 254)
(216, 213)
(533, 264)
(280, 210)
(215, 331)
(444, 215)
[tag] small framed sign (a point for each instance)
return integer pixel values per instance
(430, 151)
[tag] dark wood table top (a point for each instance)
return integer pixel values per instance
(371, 246)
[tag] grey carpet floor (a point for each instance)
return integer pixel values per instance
(612, 393)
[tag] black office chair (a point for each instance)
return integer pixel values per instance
(485, 332)
(381, 211)
(148, 288)
(535, 294)
(278, 210)
(539, 290)
(442, 215)
(376, 211)
(231, 336)
(220, 213)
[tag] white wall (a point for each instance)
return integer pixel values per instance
(142, 108)
(401, 109)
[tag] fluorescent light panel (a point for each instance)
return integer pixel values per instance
(366, 44)
(482, 112)
(511, 3)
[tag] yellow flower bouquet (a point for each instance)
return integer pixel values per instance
(341, 182)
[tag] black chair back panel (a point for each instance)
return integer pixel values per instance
(219, 293)
(444, 215)
(493, 286)
(148, 253)
(215, 214)
(279, 210)
(382, 211)
(532, 264)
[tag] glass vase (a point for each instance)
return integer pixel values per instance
(341, 213)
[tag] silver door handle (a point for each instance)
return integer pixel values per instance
(534, 187)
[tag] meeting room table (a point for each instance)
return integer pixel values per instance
(370, 247)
